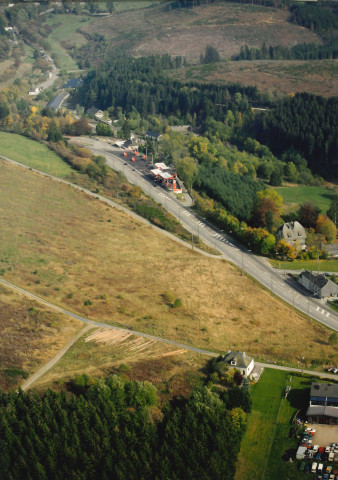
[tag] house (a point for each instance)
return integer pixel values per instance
(153, 135)
(96, 113)
(240, 361)
(57, 101)
(318, 284)
(323, 406)
(73, 83)
(293, 233)
(34, 91)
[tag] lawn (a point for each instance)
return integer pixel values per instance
(313, 265)
(267, 436)
(33, 154)
(101, 263)
(295, 196)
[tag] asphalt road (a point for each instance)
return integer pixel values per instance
(275, 281)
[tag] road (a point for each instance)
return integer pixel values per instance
(93, 324)
(279, 284)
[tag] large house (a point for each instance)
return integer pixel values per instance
(318, 284)
(240, 361)
(323, 406)
(293, 233)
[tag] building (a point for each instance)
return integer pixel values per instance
(96, 113)
(318, 284)
(73, 83)
(240, 361)
(323, 406)
(57, 101)
(34, 91)
(293, 233)
(153, 135)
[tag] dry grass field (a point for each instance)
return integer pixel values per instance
(315, 76)
(187, 32)
(101, 263)
(31, 335)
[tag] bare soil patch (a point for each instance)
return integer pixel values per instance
(99, 262)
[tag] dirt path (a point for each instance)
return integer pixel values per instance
(29, 382)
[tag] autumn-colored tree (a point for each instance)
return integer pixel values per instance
(326, 227)
(261, 217)
(286, 250)
(308, 215)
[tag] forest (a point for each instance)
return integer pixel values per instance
(116, 428)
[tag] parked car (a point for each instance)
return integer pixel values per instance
(320, 468)
(328, 469)
(307, 468)
(314, 467)
(302, 466)
(328, 448)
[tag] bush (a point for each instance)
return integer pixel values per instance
(177, 303)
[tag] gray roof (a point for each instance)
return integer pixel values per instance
(292, 231)
(93, 110)
(56, 102)
(321, 410)
(319, 280)
(241, 358)
(324, 390)
(73, 83)
(154, 135)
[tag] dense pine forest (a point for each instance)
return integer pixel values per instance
(114, 428)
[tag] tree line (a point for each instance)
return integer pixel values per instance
(303, 51)
(114, 428)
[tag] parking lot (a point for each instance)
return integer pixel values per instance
(325, 434)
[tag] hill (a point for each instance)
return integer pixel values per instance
(99, 262)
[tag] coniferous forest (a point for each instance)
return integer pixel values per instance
(115, 429)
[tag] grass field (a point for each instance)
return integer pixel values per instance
(267, 436)
(313, 265)
(65, 30)
(99, 262)
(295, 196)
(33, 154)
(31, 335)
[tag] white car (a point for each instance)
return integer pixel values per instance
(327, 449)
(314, 467)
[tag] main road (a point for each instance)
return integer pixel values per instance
(280, 285)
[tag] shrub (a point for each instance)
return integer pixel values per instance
(177, 303)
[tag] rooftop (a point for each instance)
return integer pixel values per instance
(237, 359)
(324, 390)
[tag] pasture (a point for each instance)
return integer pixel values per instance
(33, 154)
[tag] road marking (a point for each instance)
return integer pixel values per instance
(186, 213)
(327, 314)
(323, 311)
(317, 309)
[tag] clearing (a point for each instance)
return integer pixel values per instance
(187, 32)
(282, 76)
(294, 196)
(100, 262)
(31, 334)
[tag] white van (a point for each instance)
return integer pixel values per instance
(314, 467)
(320, 468)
